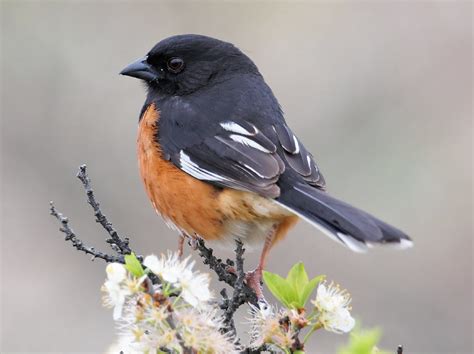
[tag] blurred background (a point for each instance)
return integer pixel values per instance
(380, 92)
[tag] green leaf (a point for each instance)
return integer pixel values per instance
(295, 290)
(362, 342)
(133, 265)
(297, 276)
(298, 279)
(280, 288)
(306, 292)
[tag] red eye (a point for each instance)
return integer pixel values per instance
(175, 65)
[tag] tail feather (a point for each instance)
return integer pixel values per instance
(344, 223)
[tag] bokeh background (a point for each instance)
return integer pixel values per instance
(380, 92)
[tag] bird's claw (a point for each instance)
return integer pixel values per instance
(253, 279)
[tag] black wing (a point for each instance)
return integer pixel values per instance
(239, 140)
(239, 155)
(236, 156)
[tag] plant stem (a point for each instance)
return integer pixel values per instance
(317, 326)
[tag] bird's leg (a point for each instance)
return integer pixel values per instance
(254, 277)
(181, 239)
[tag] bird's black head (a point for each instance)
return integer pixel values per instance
(182, 64)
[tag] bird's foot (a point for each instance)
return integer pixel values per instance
(193, 242)
(231, 269)
(253, 279)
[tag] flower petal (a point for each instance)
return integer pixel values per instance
(116, 272)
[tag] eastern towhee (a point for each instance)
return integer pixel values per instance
(219, 161)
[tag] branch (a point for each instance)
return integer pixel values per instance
(263, 348)
(119, 245)
(238, 297)
(115, 241)
(242, 293)
(76, 242)
(223, 272)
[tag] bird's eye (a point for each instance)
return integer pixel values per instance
(175, 65)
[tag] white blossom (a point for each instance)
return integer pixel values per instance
(167, 268)
(266, 328)
(263, 323)
(147, 328)
(173, 315)
(200, 331)
(194, 286)
(333, 306)
(116, 272)
(144, 326)
(115, 288)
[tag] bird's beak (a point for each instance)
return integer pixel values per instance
(141, 70)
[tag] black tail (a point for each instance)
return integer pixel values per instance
(352, 227)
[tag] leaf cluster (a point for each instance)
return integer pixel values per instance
(294, 290)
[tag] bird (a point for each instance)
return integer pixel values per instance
(220, 163)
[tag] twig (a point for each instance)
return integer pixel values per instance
(238, 297)
(223, 273)
(76, 242)
(186, 350)
(119, 245)
(263, 348)
(115, 241)
(242, 293)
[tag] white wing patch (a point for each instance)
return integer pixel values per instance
(248, 142)
(297, 145)
(308, 161)
(254, 171)
(196, 171)
(236, 128)
(352, 243)
(402, 245)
